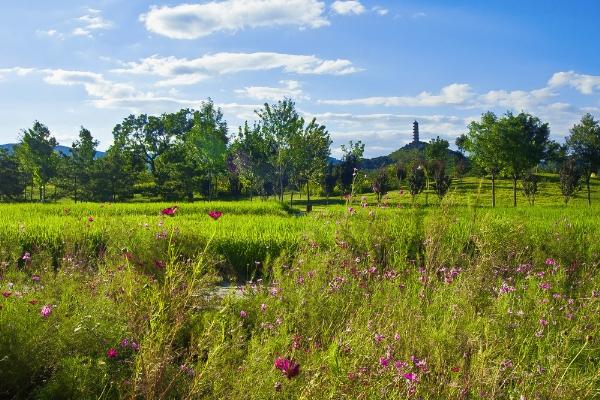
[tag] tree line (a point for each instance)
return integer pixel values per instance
(180, 155)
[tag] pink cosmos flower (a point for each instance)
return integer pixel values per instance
(378, 337)
(112, 353)
(243, 314)
(550, 261)
(26, 256)
(288, 367)
(215, 214)
(545, 286)
(35, 278)
(170, 211)
(543, 322)
(410, 377)
(46, 311)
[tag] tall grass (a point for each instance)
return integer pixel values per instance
(424, 302)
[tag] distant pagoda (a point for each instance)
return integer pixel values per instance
(416, 142)
(415, 132)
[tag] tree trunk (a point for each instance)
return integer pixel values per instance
(514, 190)
(493, 190)
(291, 199)
(308, 204)
(587, 183)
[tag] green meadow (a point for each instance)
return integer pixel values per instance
(403, 299)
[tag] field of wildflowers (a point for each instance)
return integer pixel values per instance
(352, 301)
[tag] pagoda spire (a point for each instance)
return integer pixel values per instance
(415, 132)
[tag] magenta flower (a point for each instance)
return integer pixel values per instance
(288, 367)
(46, 311)
(26, 256)
(550, 261)
(410, 377)
(124, 342)
(112, 353)
(384, 361)
(243, 314)
(170, 211)
(35, 278)
(378, 337)
(135, 346)
(545, 286)
(215, 214)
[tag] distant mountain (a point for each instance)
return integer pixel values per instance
(61, 149)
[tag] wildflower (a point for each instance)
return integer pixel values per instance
(243, 314)
(277, 386)
(455, 369)
(170, 211)
(400, 365)
(26, 256)
(378, 338)
(351, 210)
(545, 286)
(186, 370)
(215, 214)
(543, 322)
(46, 311)
(506, 288)
(135, 346)
(33, 302)
(397, 336)
(112, 353)
(124, 342)
(35, 278)
(263, 307)
(410, 377)
(90, 219)
(288, 367)
(384, 361)
(550, 261)
(6, 294)
(160, 264)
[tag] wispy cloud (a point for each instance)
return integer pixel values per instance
(347, 7)
(291, 89)
(192, 21)
(91, 22)
(182, 71)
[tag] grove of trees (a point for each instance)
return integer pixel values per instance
(192, 153)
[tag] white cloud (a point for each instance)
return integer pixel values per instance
(91, 22)
(585, 84)
(517, 99)
(380, 10)
(50, 33)
(181, 71)
(454, 94)
(418, 15)
(347, 7)
(291, 89)
(192, 21)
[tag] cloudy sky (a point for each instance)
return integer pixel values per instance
(364, 68)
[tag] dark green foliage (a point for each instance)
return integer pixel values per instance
(352, 156)
(13, 181)
(584, 145)
(416, 181)
(570, 179)
(530, 186)
(381, 183)
(441, 181)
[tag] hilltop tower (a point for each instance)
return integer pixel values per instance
(415, 132)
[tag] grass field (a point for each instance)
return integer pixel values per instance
(450, 301)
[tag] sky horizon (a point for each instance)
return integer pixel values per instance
(365, 69)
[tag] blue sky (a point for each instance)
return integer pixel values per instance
(366, 69)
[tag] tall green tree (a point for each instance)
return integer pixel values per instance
(13, 180)
(251, 152)
(83, 154)
(37, 156)
(309, 152)
(584, 145)
(483, 142)
(524, 142)
(280, 122)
